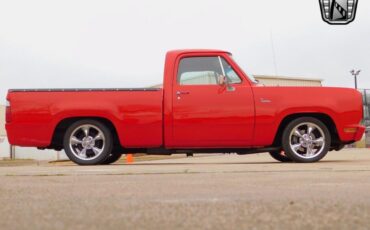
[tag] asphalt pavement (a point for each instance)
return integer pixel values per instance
(203, 192)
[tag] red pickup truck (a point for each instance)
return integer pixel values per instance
(207, 105)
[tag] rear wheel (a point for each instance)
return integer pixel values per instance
(280, 156)
(306, 140)
(88, 142)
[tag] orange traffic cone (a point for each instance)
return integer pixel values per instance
(129, 158)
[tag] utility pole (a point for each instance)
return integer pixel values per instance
(355, 74)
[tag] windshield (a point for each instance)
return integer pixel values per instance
(246, 73)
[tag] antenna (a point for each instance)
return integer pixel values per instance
(273, 52)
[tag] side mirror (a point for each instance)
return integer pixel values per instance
(222, 80)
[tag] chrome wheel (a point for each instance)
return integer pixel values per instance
(307, 140)
(87, 142)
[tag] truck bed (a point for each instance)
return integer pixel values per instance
(136, 113)
(82, 89)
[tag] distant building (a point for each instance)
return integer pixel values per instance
(366, 116)
(287, 81)
(366, 106)
(4, 146)
(2, 121)
(269, 80)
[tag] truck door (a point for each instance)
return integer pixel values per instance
(207, 113)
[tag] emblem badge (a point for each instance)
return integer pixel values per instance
(338, 12)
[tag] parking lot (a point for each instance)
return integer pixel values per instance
(203, 192)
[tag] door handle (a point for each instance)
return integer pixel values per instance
(178, 93)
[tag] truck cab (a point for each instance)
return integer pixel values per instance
(206, 91)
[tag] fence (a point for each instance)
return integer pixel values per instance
(366, 108)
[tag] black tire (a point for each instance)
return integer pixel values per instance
(94, 128)
(113, 157)
(296, 146)
(277, 155)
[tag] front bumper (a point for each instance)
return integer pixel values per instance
(360, 132)
(354, 133)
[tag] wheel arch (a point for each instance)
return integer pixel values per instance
(324, 118)
(62, 126)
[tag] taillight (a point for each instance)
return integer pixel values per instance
(8, 115)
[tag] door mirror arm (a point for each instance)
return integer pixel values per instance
(222, 80)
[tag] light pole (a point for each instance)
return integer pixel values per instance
(355, 74)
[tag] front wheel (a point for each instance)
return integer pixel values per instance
(88, 142)
(306, 140)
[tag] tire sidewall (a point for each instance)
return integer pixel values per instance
(107, 148)
(286, 140)
(113, 157)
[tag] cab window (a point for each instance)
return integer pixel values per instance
(230, 74)
(199, 71)
(205, 71)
